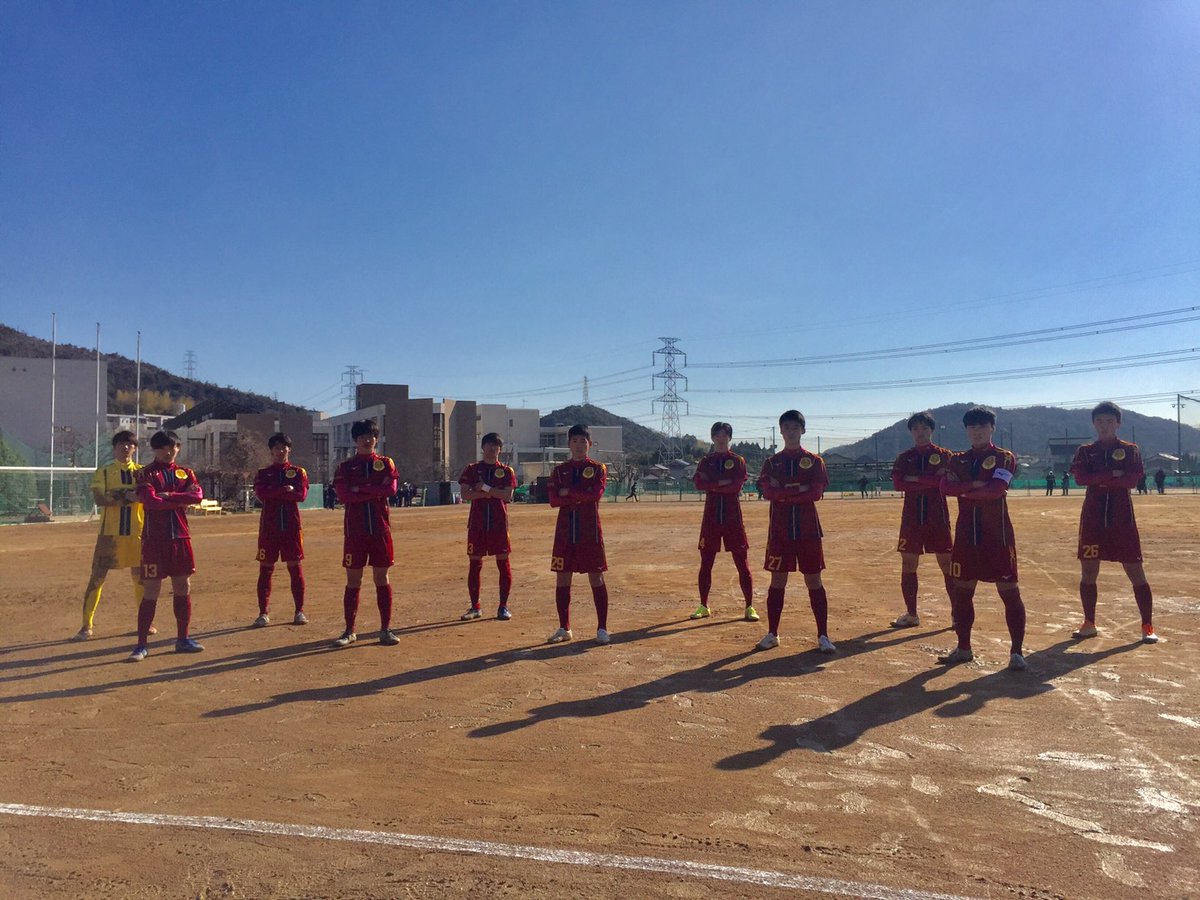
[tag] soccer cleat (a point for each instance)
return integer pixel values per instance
(188, 645)
(768, 642)
(1148, 635)
(908, 620)
(956, 656)
(563, 634)
(1086, 630)
(602, 636)
(262, 621)
(1016, 663)
(503, 613)
(82, 634)
(702, 612)
(300, 619)
(140, 652)
(473, 613)
(825, 645)
(388, 637)
(347, 638)
(751, 615)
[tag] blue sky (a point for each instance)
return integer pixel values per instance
(491, 201)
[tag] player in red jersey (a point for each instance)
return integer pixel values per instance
(281, 487)
(794, 479)
(165, 491)
(984, 545)
(488, 485)
(1107, 528)
(576, 487)
(363, 483)
(720, 475)
(925, 520)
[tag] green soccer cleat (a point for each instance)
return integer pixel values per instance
(751, 615)
(702, 612)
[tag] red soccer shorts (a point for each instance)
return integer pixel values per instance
(1119, 543)
(928, 538)
(289, 547)
(167, 559)
(567, 557)
(790, 556)
(732, 536)
(969, 562)
(374, 550)
(487, 542)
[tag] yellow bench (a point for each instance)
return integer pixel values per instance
(204, 507)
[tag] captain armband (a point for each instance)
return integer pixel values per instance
(1004, 475)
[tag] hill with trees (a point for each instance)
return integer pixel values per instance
(643, 446)
(162, 391)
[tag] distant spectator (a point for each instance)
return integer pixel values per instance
(1141, 484)
(1050, 483)
(1160, 481)
(1066, 483)
(863, 483)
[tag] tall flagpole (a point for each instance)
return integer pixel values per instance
(97, 465)
(53, 385)
(137, 416)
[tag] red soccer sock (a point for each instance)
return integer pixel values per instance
(146, 610)
(473, 572)
(562, 602)
(183, 615)
(949, 586)
(264, 588)
(745, 579)
(704, 579)
(774, 609)
(819, 601)
(908, 589)
(600, 598)
(1087, 595)
(1145, 602)
(505, 567)
(350, 606)
(383, 599)
(1014, 618)
(296, 575)
(963, 610)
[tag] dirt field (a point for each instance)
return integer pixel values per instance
(679, 742)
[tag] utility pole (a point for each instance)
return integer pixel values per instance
(352, 377)
(669, 398)
(585, 391)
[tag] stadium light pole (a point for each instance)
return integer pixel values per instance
(1179, 432)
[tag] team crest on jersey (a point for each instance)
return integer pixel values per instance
(729, 464)
(1119, 453)
(990, 462)
(499, 473)
(589, 472)
(181, 475)
(289, 473)
(377, 465)
(935, 458)
(806, 463)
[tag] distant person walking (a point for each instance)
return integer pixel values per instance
(1160, 481)
(863, 482)
(1050, 483)
(1066, 483)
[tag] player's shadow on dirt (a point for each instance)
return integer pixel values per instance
(194, 667)
(844, 726)
(712, 677)
(102, 650)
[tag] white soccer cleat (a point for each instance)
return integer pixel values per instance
(602, 636)
(473, 612)
(82, 634)
(908, 620)
(300, 619)
(1148, 635)
(768, 642)
(563, 634)
(825, 645)
(1016, 663)
(261, 622)
(347, 638)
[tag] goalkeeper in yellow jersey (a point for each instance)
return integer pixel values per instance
(119, 544)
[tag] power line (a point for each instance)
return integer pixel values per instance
(351, 378)
(669, 398)
(1038, 336)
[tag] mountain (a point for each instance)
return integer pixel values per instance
(122, 375)
(1028, 431)
(638, 439)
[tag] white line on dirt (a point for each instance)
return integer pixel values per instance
(486, 848)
